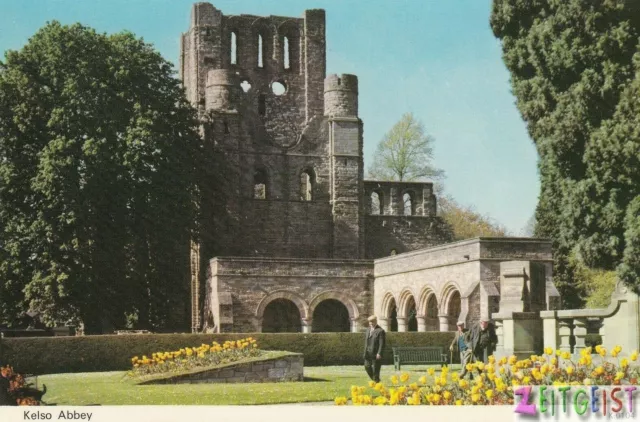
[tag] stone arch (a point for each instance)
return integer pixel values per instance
(428, 308)
(283, 294)
(339, 296)
(389, 309)
(290, 30)
(408, 309)
(408, 202)
(307, 180)
(451, 304)
(263, 29)
(376, 202)
(339, 323)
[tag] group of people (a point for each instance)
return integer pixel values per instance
(473, 345)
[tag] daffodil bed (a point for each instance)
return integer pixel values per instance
(497, 379)
(190, 360)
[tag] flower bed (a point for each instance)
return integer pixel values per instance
(16, 391)
(498, 378)
(190, 358)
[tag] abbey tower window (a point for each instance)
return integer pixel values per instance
(260, 184)
(260, 52)
(306, 185)
(409, 203)
(376, 203)
(234, 48)
(286, 54)
(262, 105)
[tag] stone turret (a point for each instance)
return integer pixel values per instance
(341, 96)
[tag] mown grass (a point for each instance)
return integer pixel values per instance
(322, 384)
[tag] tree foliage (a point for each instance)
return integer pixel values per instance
(466, 222)
(574, 71)
(405, 153)
(98, 166)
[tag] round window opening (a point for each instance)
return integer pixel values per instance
(245, 85)
(278, 88)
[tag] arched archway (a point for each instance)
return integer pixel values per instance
(451, 307)
(330, 316)
(345, 307)
(281, 316)
(390, 312)
(412, 313)
(428, 307)
(408, 311)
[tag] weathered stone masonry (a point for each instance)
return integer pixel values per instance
(307, 227)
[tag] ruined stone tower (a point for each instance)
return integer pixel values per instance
(292, 138)
(306, 243)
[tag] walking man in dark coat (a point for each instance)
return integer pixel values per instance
(374, 343)
(483, 339)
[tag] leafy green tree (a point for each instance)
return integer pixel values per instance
(405, 153)
(98, 168)
(572, 65)
(466, 222)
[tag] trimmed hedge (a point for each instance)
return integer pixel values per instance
(47, 355)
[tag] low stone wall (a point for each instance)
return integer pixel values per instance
(287, 368)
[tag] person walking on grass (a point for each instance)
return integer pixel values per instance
(460, 343)
(482, 340)
(374, 343)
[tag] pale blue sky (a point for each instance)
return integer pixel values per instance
(435, 58)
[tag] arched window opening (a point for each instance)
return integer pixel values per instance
(260, 185)
(455, 306)
(412, 321)
(281, 316)
(226, 128)
(393, 318)
(376, 203)
(331, 316)
(262, 105)
(431, 321)
(306, 186)
(409, 207)
(286, 52)
(260, 52)
(234, 48)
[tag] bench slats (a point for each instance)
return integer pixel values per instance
(418, 355)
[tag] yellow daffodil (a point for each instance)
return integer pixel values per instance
(404, 377)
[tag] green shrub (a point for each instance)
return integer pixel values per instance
(47, 355)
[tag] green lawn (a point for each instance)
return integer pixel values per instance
(114, 388)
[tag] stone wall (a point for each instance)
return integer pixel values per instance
(251, 284)
(470, 269)
(288, 368)
(386, 233)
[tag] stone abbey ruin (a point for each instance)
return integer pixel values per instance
(313, 245)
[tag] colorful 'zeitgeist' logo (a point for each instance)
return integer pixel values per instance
(609, 401)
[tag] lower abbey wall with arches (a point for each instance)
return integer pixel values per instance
(425, 290)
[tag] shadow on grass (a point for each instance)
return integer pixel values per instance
(311, 379)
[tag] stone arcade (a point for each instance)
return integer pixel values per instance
(313, 246)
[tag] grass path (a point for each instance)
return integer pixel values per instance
(322, 384)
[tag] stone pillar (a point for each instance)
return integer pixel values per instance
(384, 323)
(500, 334)
(306, 325)
(550, 328)
(402, 325)
(394, 208)
(565, 334)
(355, 327)
(422, 324)
(580, 332)
(601, 330)
(444, 322)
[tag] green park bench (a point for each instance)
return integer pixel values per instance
(418, 355)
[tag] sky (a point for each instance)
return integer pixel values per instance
(436, 59)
